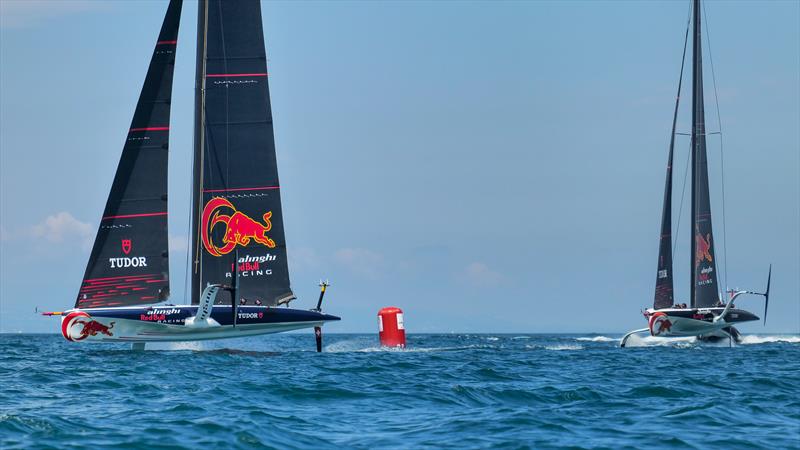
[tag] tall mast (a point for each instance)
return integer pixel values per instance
(703, 267)
(197, 168)
(697, 84)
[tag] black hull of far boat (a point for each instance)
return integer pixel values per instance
(701, 323)
(734, 315)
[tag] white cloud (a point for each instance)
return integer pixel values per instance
(301, 258)
(23, 13)
(64, 227)
(479, 274)
(361, 261)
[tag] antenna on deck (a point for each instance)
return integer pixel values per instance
(322, 285)
(766, 294)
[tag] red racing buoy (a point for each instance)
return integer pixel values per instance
(391, 331)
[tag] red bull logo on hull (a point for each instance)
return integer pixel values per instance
(660, 324)
(240, 229)
(78, 326)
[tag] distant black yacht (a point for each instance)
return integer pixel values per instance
(707, 317)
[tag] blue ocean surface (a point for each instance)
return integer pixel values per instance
(466, 391)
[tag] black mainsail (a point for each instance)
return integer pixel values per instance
(236, 192)
(704, 275)
(129, 263)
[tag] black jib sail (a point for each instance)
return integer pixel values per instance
(704, 274)
(664, 292)
(129, 262)
(237, 204)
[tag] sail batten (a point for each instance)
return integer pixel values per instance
(129, 262)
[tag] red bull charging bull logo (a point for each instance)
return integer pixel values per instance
(78, 326)
(703, 249)
(240, 228)
(660, 324)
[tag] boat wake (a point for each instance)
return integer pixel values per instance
(358, 346)
(186, 345)
(683, 342)
(555, 347)
(176, 346)
(240, 352)
(755, 339)
(597, 339)
(650, 341)
(210, 348)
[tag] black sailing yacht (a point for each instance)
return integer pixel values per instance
(239, 272)
(708, 317)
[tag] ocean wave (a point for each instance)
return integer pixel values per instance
(563, 347)
(357, 346)
(596, 339)
(444, 388)
(556, 347)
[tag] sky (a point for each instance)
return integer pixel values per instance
(485, 166)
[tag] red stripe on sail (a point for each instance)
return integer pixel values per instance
(166, 42)
(123, 276)
(89, 289)
(107, 284)
(149, 129)
(128, 216)
(119, 280)
(225, 75)
(262, 188)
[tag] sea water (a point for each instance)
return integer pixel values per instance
(454, 390)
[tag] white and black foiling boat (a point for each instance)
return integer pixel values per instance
(239, 273)
(707, 317)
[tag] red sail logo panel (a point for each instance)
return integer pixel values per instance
(238, 228)
(703, 249)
